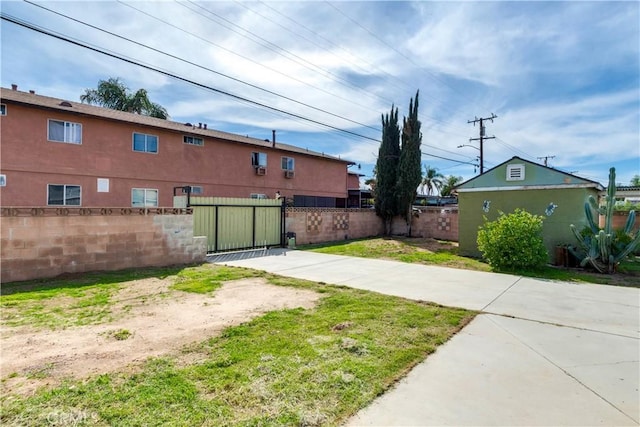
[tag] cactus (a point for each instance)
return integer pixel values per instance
(605, 248)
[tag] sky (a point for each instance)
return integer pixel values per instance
(561, 77)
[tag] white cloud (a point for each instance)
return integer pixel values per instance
(562, 76)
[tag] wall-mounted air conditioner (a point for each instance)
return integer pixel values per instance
(288, 174)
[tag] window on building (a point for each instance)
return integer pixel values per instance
(3, 180)
(145, 143)
(192, 140)
(288, 163)
(63, 195)
(144, 197)
(3, 109)
(61, 131)
(515, 172)
(194, 189)
(258, 196)
(259, 159)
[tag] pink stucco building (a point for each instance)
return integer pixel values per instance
(57, 152)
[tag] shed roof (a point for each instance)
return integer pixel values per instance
(538, 177)
(40, 101)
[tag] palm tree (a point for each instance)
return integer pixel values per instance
(432, 180)
(450, 182)
(114, 94)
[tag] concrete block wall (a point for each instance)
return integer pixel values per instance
(436, 222)
(43, 246)
(619, 221)
(317, 225)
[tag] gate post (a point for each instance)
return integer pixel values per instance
(282, 223)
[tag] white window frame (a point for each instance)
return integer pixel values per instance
(515, 167)
(258, 196)
(258, 159)
(3, 109)
(288, 163)
(64, 194)
(145, 198)
(3, 180)
(193, 140)
(72, 132)
(146, 143)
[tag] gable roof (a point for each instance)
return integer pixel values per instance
(39, 101)
(544, 178)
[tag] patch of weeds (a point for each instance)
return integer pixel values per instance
(207, 278)
(40, 372)
(11, 375)
(422, 251)
(59, 307)
(120, 334)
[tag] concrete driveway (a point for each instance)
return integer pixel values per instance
(541, 353)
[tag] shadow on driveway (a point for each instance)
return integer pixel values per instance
(245, 254)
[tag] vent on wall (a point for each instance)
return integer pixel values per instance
(515, 172)
(288, 174)
(261, 171)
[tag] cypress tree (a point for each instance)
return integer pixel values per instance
(409, 168)
(387, 170)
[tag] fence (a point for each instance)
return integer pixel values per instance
(46, 242)
(317, 225)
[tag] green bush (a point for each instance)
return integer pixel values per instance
(513, 241)
(626, 206)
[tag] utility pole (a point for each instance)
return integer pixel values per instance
(546, 159)
(482, 137)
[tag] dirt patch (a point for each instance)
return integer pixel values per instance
(153, 321)
(430, 244)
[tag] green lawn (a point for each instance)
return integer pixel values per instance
(443, 253)
(291, 367)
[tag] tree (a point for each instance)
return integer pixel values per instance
(449, 183)
(635, 181)
(387, 170)
(432, 180)
(114, 94)
(409, 167)
(371, 182)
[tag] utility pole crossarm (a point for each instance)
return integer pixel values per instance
(482, 136)
(546, 159)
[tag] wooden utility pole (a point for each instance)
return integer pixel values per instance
(546, 159)
(482, 137)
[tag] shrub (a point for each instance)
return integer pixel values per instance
(513, 241)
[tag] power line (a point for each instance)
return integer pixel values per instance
(203, 67)
(175, 76)
(393, 48)
(320, 36)
(279, 50)
(390, 77)
(61, 37)
(515, 149)
(232, 52)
